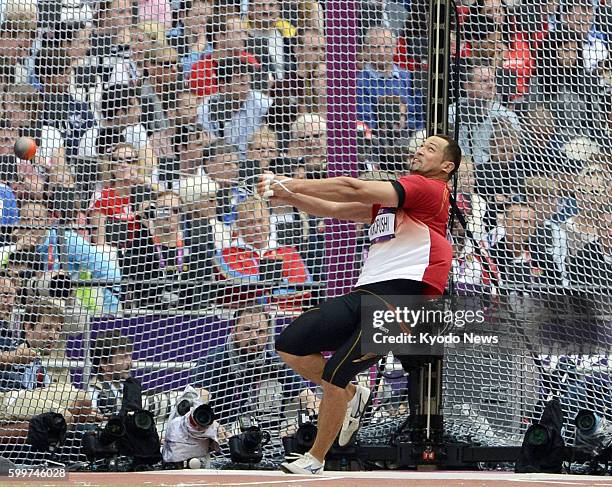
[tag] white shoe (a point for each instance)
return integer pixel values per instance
(355, 410)
(305, 464)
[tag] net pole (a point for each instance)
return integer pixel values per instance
(438, 86)
(342, 44)
(438, 75)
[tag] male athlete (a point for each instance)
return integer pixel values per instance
(409, 255)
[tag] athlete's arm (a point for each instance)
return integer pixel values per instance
(341, 190)
(355, 212)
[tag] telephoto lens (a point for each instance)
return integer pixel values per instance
(143, 420)
(538, 435)
(203, 416)
(113, 430)
(183, 407)
(587, 422)
(305, 436)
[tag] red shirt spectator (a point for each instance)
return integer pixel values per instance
(112, 212)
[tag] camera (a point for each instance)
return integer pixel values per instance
(131, 433)
(101, 443)
(47, 431)
(304, 437)
(593, 434)
(191, 430)
(247, 446)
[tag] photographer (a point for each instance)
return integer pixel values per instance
(66, 250)
(111, 357)
(246, 376)
(29, 387)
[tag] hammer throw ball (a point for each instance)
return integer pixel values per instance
(25, 148)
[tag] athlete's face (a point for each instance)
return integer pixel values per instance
(429, 160)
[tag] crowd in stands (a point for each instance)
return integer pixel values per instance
(154, 118)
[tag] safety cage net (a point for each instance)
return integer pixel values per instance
(134, 244)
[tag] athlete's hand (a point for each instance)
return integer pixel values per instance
(269, 187)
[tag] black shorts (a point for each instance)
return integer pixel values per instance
(335, 325)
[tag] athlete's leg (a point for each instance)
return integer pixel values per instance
(331, 415)
(311, 368)
(319, 329)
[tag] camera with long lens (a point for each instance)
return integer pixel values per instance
(131, 434)
(191, 431)
(247, 446)
(47, 432)
(593, 435)
(102, 443)
(304, 437)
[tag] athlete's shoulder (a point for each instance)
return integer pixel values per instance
(422, 182)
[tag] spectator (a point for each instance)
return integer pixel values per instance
(390, 134)
(257, 241)
(548, 241)
(165, 253)
(563, 80)
(116, 14)
(22, 266)
(186, 108)
(158, 11)
(309, 52)
(254, 380)
(271, 37)
(120, 123)
(188, 144)
(309, 143)
(538, 150)
(591, 267)
(158, 92)
(40, 234)
(485, 38)
(113, 212)
(71, 118)
(300, 90)
(579, 16)
(498, 179)
(112, 364)
(473, 205)
(41, 388)
(26, 181)
(229, 38)
(478, 110)
(591, 191)
(193, 41)
(467, 269)
(534, 20)
(17, 33)
(317, 98)
(221, 163)
(262, 149)
(8, 296)
(381, 76)
(8, 136)
(21, 105)
(310, 16)
(516, 268)
(237, 111)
